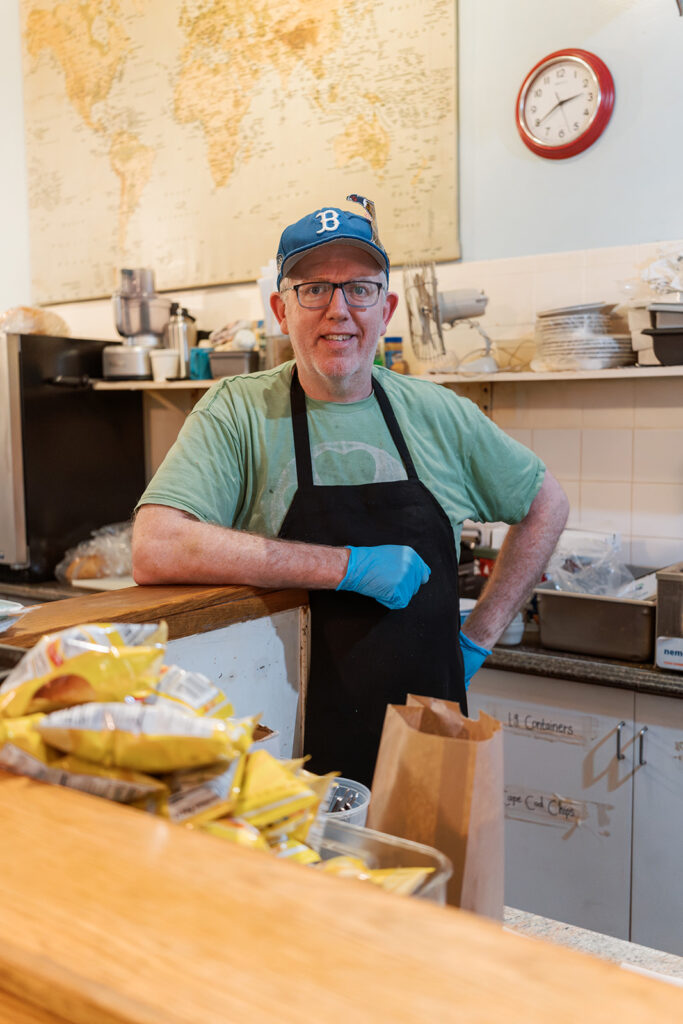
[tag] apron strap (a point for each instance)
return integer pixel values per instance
(394, 429)
(302, 441)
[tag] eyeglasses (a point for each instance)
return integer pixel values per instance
(318, 294)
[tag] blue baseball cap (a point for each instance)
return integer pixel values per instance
(328, 224)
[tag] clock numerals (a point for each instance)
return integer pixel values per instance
(559, 102)
(564, 103)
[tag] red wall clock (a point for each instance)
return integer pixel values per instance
(564, 104)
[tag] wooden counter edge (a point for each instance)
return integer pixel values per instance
(188, 609)
(83, 880)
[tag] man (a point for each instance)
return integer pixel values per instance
(353, 482)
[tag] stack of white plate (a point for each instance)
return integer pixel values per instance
(9, 614)
(580, 338)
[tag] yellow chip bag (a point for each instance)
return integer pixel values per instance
(346, 867)
(294, 850)
(236, 830)
(201, 794)
(272, 795)
(101, 661)
(119, 784)
(147, 739)
(21, 734)
(401, 880)
(190, 691)
(24, 752)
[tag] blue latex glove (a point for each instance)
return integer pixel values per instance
(473, 657)
(390, 573)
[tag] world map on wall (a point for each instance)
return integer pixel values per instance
(183, 135)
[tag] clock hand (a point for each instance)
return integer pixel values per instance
(569, 98)
(558, 104)
(549, 112)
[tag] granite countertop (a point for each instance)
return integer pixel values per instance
(630, 955)
(37, 593)
(535, 660)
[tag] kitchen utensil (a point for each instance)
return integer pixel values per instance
(667, 343)
(670, 600)
(9, 613)
(611, 627)
(229, 364)
(348, 801)
(140, 316)
(580, 338)
(181, 336)
(666, 314)
(340, 838)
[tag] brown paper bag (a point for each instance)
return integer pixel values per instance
(439, 780)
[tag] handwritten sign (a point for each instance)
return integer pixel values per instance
(545, 808)
(545, 723)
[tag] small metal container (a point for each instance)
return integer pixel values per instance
(233, 363)
(670, 601)
(610, 627)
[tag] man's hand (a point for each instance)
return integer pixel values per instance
(390, 573)
(473, 657)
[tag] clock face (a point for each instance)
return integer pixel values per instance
(564, 104)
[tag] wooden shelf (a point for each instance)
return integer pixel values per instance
(151, 385)
(622, 373)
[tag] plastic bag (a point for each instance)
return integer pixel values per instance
(99, 661)
(143, 738)
(27, 320)
(107, 552)
(591, 565)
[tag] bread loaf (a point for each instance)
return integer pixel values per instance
(86, 567)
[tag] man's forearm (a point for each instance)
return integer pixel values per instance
(172, 547)
(520, 564)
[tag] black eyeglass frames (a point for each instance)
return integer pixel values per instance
(318, 294)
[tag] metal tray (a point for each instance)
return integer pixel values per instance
(611, 627)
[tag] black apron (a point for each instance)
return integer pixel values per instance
(363, 655)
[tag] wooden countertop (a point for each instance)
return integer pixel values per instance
(111, 916)
(187, 609)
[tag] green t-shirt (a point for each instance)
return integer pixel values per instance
(233, 461)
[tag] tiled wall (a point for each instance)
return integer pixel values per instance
(615, 445)
(617, 448)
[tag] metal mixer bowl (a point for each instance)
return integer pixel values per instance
(141, 319)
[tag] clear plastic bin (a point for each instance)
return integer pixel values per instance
(334, 838)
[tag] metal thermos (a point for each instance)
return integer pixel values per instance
(181, 336)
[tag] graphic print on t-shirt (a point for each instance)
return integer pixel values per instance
(374, 465)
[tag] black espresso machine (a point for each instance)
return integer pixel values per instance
(72, 458)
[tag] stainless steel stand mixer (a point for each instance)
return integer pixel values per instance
(140, 316)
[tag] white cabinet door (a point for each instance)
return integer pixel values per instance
(657, 896)
(568, 797)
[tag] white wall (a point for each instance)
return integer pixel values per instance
(15, 287)
(624, 189)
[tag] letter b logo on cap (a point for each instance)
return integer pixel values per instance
(329, 220)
